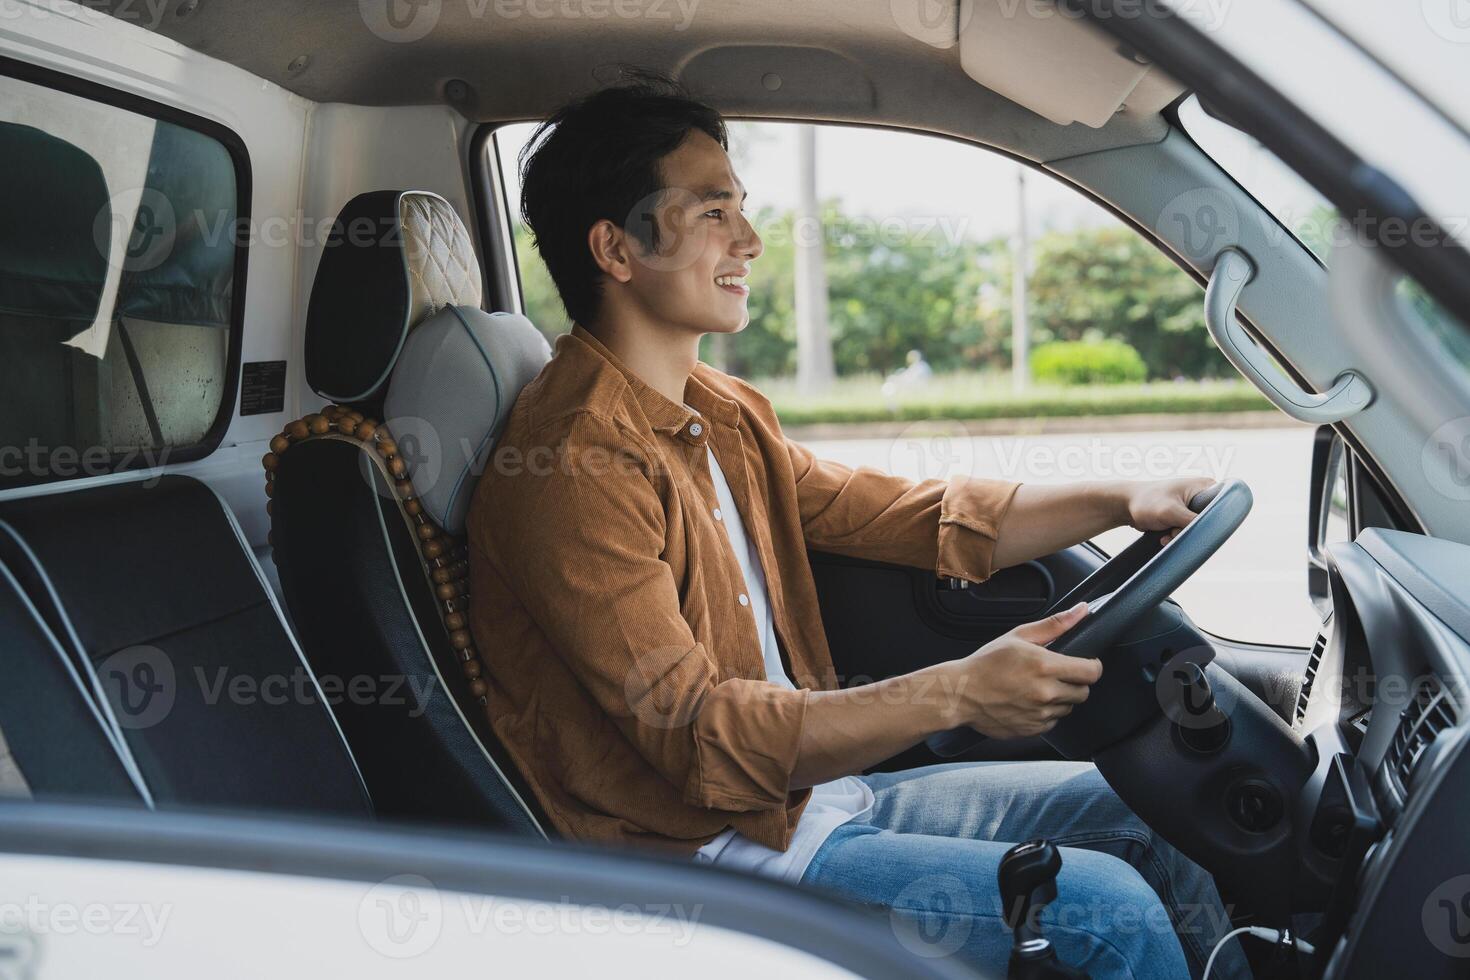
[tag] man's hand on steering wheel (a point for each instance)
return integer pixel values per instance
(1163, 505)
(1014, 686)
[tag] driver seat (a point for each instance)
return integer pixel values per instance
(367, 516)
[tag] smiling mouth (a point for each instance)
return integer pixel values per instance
(733, 284)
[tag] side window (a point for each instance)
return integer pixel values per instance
(117, 280)
(982, 318)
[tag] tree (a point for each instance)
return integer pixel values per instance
(1110, 283)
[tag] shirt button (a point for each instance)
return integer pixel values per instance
(717, 514)
(744, 599)
(695, 428)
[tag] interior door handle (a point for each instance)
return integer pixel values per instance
(1349, 394)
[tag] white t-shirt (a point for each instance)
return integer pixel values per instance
(832, 804)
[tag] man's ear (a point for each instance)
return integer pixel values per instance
(611, 250)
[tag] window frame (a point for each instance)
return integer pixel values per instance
(240, 157)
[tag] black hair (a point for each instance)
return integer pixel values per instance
(598, 157)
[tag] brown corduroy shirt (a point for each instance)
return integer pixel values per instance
(625, 675)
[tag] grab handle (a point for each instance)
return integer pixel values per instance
(1349, 394)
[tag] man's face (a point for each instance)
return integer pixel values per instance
(696, 278)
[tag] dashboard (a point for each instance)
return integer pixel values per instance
(1384, 707)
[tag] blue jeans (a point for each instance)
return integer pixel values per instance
(1128, 904)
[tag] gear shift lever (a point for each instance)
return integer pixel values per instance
(1028, 883)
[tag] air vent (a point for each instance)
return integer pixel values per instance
(1430, 712)
(1314, 661)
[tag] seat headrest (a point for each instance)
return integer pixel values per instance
(456, 380)
(392, 259)
(54, 190)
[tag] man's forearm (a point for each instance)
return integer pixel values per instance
(1045, 519)
(847, 731)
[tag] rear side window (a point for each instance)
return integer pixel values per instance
(118, 264)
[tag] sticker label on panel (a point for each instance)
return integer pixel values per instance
(263, 387)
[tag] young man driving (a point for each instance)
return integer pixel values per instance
(639, 569)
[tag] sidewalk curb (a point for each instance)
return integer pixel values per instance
(1150, 422)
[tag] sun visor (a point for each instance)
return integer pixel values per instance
(1046, 59)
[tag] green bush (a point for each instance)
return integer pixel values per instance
(1087, 362)
(1061, 402)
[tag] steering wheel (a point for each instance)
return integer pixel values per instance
(1127, 588)
(1185, 745)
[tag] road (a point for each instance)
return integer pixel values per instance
(1255, 586)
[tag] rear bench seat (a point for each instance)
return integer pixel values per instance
(150, 660)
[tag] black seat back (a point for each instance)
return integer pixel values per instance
(366, 514)
(151, 591)
(60, 745)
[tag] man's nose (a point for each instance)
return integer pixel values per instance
(749, 243)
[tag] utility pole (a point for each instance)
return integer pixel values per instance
(1020, 321)
(814, 370)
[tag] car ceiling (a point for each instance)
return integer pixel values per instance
(886, 62)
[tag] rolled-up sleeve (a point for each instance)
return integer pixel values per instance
(949, 525)
(580, 541)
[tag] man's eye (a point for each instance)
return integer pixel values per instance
(716, 213)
